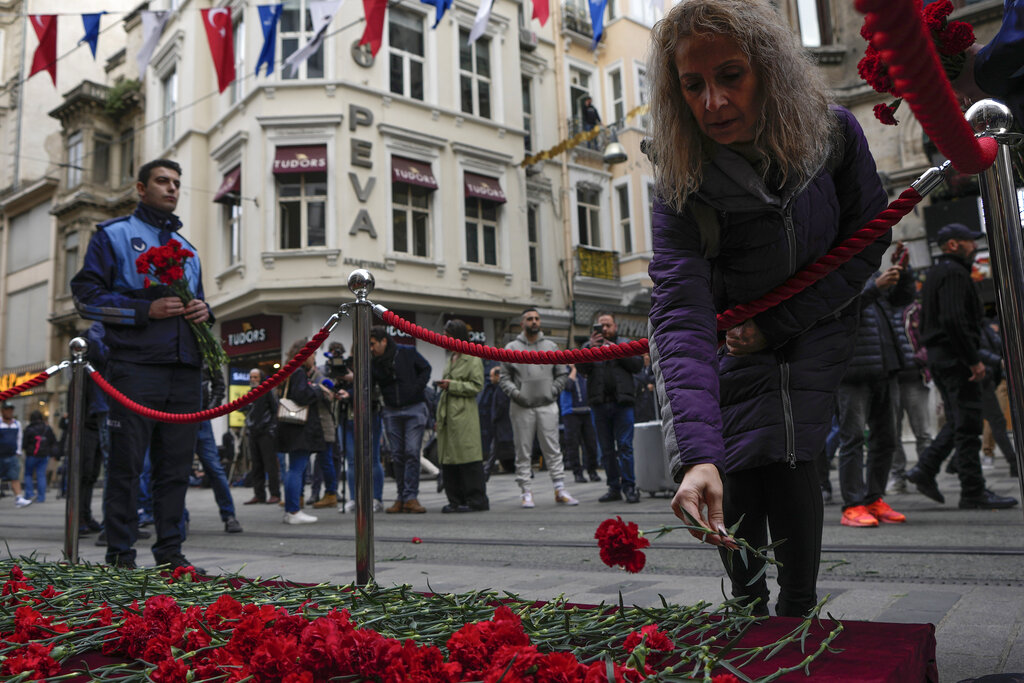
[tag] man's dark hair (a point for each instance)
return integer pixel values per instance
(527, 310)
(604, 313)
(147, 168)
(457, 329)
(379, 332)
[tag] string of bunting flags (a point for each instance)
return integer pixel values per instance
(578, 139)
(219, 24)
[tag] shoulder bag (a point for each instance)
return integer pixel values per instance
(290, 412)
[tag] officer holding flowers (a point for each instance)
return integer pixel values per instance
(155, 333)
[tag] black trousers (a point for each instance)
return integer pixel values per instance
(465, 484)
(170, 388)
(92, 459)
(787, 502)
(579, 431)
(961, 400)
(265, 471)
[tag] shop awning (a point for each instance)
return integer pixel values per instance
(412, 172)
(301, 159)
(230, 189)
(483, 187)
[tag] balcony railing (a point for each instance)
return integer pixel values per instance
(576, 19)
(597, 263)
(597, 144)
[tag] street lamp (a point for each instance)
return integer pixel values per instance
(614, 152)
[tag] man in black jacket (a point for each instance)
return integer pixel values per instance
(402, 375)
(867, 395)
(951, 320)
(610, 393)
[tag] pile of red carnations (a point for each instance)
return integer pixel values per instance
(951, 38)
(59, 621)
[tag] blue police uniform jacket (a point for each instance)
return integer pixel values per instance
(109, 289)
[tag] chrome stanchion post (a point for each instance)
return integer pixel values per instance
(1006, 243)
(361, 283)
(76, 410)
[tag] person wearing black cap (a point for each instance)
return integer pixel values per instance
(951, 320)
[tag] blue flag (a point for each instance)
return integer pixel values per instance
(597, 8)
(270, 15)
(442, 7)
(92, 30)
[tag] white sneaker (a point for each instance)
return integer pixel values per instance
(527, 498)
(299, 517)
(988, 462)
(378, 506)
(563, 497)
(22, 501)
(350, 506)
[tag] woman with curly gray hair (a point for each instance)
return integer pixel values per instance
(757, 177)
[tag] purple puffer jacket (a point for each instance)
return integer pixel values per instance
(746, 411)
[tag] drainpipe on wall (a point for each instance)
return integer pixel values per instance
(563, 134)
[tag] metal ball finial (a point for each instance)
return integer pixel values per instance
(361, 283)
(79, 347)
(989, 117)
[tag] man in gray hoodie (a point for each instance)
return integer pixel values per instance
(533, 409)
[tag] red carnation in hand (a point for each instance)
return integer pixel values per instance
(620, 544)
(955, 38)
(874, 71)
(935, 14)
(886, 114)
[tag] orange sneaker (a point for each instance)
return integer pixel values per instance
(881, 511)
(859, 516)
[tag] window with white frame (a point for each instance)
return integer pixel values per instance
(644, 11)
(481, 231)
(618, 95)
(26, 329)
(641, 95)
(527, 84)
(101, 144)
(475, 74)
(410, 219)
(625, 224)
(533, 240)
(302, 207)
(76, 155)
(406, 45)
(169, 106)
(579, 89)
(232, 233)
(72, 242)
(296, 29)
(815, 22)
(588, 216)
(237, 87)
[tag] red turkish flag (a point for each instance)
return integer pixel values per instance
(45, 58)
(375, 11)
(222, 43)
(540, 11)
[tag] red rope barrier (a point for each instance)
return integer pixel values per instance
(918, 77)
(24, 386)
(311, 346)
(836, 257)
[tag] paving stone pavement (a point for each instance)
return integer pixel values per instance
(975, 599)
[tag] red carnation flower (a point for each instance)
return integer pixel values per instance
(417, 539)
(651, 637)
(935, 14)
(33, 659)
(724, 678)
(183, 575)
(874, 71)
(597, 672)
(955, 38)
(170, 671)
(886, 114)
(620, 544)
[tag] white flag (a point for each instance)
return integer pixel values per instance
(483, 15)
(321, 13)
(152, 26)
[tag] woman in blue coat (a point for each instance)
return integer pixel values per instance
(757, 177)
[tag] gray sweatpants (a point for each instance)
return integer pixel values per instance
(542, 422)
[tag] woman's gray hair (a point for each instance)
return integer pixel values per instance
(794, 128)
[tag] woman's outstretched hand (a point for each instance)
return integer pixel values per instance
(745, 338)
(698, 501)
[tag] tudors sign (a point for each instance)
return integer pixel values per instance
(253, 334)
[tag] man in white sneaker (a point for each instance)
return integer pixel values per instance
(10, 449)
(533, 410)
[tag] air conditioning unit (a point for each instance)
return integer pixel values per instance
(527, 40)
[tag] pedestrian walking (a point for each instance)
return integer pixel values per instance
(39, 444)
(261, 435)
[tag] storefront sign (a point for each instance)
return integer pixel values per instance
(253, 334)
(10, 380)
(475, 323)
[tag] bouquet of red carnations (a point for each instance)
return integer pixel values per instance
(951, 38)
(166, 264)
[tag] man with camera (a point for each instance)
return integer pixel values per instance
(336, 374)
(611, 395)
